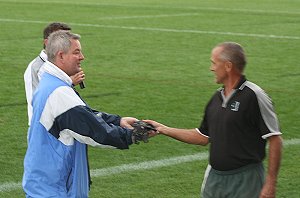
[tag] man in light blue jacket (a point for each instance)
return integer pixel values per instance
(62, 126)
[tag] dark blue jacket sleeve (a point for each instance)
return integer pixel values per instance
(86, 123)
(108, 118)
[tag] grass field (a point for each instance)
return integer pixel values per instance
(150, 59)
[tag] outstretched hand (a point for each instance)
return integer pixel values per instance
(127, 122)
(158, 126)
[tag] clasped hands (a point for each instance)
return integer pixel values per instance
(128, 122)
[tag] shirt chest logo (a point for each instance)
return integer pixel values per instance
(235, 106)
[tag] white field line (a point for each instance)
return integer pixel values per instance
(148, 16)
(162, 29)
(148, 165)
(297, 12)
(10, 186)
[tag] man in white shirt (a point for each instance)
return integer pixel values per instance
(35, 69)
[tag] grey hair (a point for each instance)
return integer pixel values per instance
(234, 53)
(59, 41)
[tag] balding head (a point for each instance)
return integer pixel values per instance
(233, 52)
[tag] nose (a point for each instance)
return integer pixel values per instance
(211, 68)
(81, 56)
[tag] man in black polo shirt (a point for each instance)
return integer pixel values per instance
(238, 121)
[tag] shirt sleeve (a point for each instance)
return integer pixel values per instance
(203, 128)
(28, 91)
(269, 124)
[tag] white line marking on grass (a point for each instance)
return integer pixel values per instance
(148, 165)
(163, 30)
(148, 16)
(10, 186)
(165, 6)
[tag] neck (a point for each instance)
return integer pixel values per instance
(231, 84)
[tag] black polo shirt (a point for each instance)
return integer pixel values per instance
(238, 125)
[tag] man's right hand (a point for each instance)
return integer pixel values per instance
(78, 78)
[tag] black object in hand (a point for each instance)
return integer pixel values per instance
(82, 85)
(141, 131)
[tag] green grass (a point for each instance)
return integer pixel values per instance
(142, 67)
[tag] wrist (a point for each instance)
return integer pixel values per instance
(271, 180)
(164, 130)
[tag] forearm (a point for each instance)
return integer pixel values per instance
(190, 136)
(275, 147)
(110, 118)
(275, 150)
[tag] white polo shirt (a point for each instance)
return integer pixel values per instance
(32, 77)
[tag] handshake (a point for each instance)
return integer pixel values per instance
(142, 131)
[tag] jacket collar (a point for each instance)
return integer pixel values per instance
(53, 70)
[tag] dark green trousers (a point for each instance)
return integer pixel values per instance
(245, 182)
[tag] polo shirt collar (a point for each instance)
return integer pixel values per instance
(241, 83)
(239, 86)
(43, 55)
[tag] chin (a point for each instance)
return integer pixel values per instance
(218, 82)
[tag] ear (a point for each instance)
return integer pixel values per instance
(228, 66)
(45, 42)
(60, 56)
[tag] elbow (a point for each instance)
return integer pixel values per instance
(203, 143)
(276, 139)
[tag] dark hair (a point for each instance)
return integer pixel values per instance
(234, 53)
(52, 27)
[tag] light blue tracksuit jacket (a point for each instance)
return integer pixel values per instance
(62, 126)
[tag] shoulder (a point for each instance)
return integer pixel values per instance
(60, 100)
(65, 93)
(64, 98)
(36, 62)
(215, 96)
(260, 94)
(254, 87)
(34, 65)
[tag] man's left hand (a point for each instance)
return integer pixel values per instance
(127, 122)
